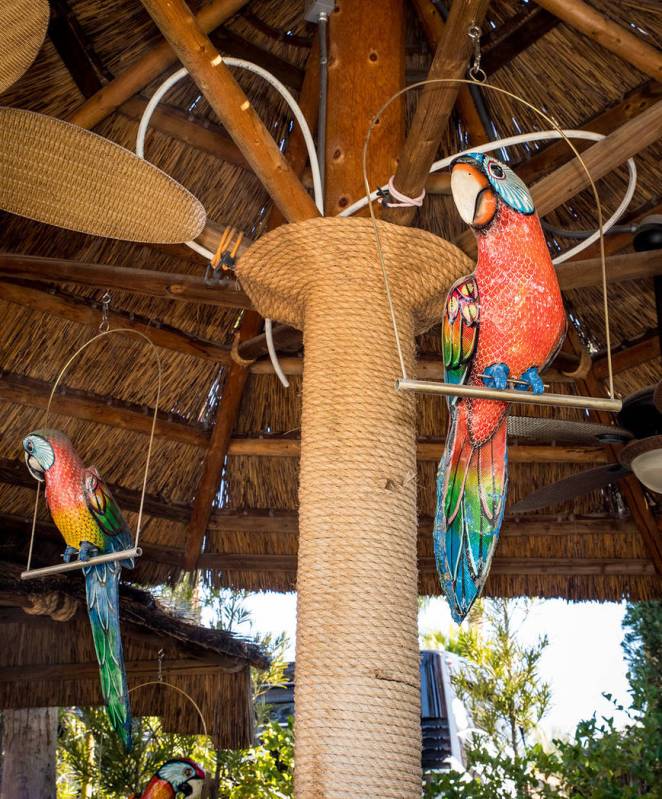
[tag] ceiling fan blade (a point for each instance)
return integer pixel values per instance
(542, 429)
(63, 175)
(23, 25)
(574, 486)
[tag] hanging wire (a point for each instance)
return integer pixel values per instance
(550, 121)
(61, 374)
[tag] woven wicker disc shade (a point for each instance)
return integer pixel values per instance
(63, 175)
(23, 25)
(357, 673)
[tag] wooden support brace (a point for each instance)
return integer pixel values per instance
(232, 107)
(146, 68)
(611, 36)
(435, 105)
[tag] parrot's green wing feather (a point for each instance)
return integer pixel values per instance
(106, 513)
(459, 329)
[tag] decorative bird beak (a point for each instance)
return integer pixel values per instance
(34, 467)
(474, 197)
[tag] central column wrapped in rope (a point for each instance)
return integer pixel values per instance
(357, 731)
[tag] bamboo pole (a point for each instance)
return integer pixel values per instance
(146, 68)
(232, 107)
(611, 36)
(435, 105)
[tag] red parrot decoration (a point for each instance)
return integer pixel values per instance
(502, 324)
(180, 777)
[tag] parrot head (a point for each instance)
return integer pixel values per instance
(41, 449)
(184, 776)
(481, 186)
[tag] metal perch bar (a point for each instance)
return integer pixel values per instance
(506, 395)
(125, 554)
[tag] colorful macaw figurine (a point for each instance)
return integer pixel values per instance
(91, 524)
(502, 324)
(175, 778)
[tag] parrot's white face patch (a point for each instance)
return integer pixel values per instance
(465, 189)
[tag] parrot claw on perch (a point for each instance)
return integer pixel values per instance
(496, 376)
(69, 554)
(91, 523)
(505, 319)
(531, 380)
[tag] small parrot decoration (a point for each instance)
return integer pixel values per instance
(501, 325)
(176, 778)
(91, 524)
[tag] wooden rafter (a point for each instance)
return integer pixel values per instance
(501, 45)
(77, 53)
(237, 374)
(77, 310)
(610, 35)
(232, 107)
(632, 354)
(94, 408)
(147, 282)
(434, 106)
(148, 67)
(600, 159)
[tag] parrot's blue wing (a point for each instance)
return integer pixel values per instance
(102, 589)
(459, 329)
(107, 514)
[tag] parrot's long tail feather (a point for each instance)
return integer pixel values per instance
(102, 586)
(471, 494)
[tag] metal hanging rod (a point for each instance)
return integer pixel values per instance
(74, 565)
(508, 395)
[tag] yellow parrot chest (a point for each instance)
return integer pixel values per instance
(77, 525)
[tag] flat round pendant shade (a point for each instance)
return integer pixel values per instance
(60, 174)
(23, 26)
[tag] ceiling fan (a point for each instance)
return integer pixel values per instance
(640, 421)
(57, 173)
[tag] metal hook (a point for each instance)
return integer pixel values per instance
(104, 325)
(475, 71)
(161, 655)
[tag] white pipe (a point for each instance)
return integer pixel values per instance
(310, 147)
(525, 138)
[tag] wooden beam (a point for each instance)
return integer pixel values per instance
(52, 672)
(632, 354)
(605, 122)
(433, 27)
(427, 450)
(611, 36)
(600, 159)
(631, 266)
(206, 137)
(101, 410)
(503, 44)
(81, 311)
(147, 68)
(237, 374)
(150, 283)
(366, 67)
(435, 105)
(15, 473)
(75, 50)
(232, 107)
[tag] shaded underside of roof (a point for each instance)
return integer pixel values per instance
(585, 549)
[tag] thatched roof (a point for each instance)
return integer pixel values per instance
(49, 659)
(588, 548)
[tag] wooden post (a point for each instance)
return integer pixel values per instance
(146, 68)
(435, 105)
(232, 107)
(29, 742)
(611, 36)
(366, 67)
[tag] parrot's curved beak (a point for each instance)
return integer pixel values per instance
(34, 467)
(474, 198)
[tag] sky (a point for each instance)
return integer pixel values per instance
(583, 660)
